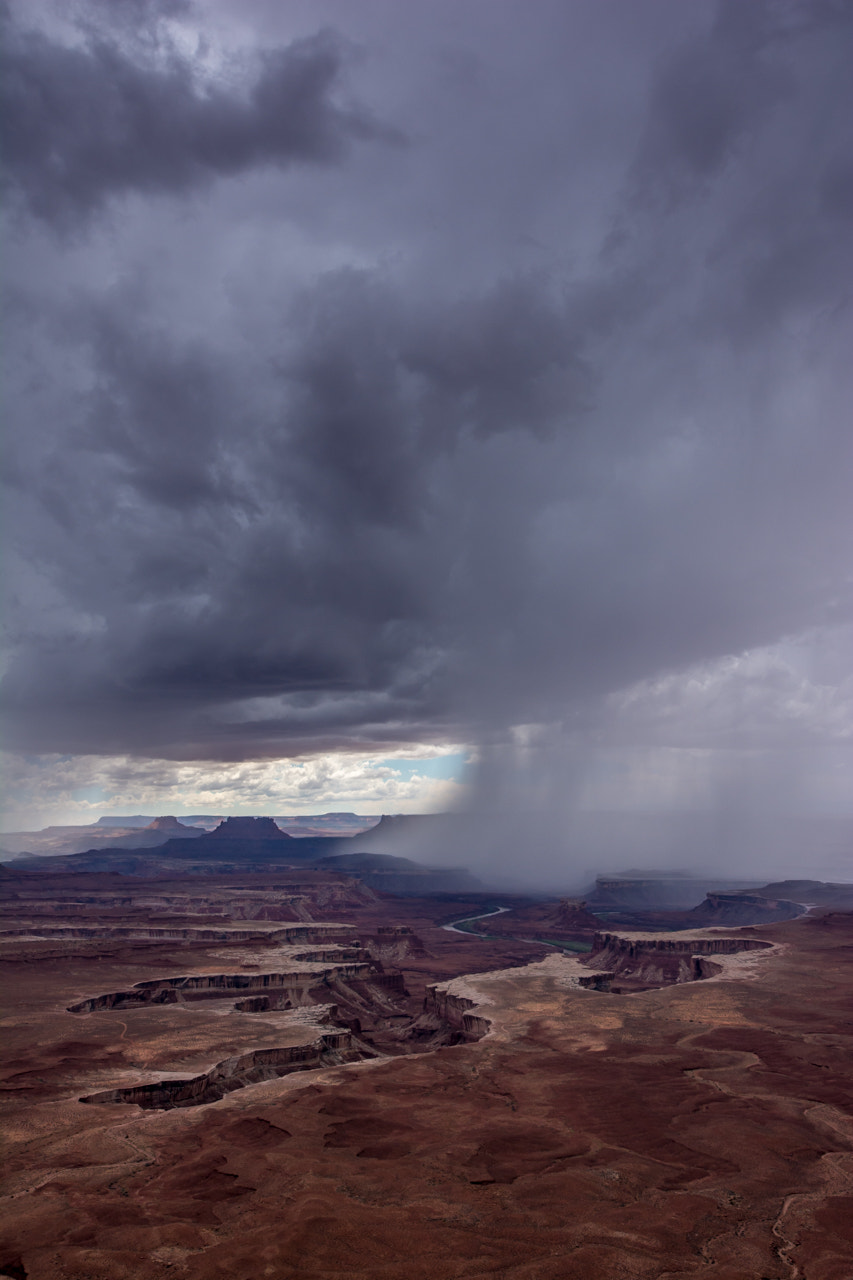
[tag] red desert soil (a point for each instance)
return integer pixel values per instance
(702, 1129)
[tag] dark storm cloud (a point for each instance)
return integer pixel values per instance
(85, 122)
(299, 554)
(712, 93)
(314, 467)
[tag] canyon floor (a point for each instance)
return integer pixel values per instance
(701, 1128)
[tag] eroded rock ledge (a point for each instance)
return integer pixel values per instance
(639, 963)
(173, 933)
(293, 987)
(347, 985)
(453, 1009)
(333, 1048)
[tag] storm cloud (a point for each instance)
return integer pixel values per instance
(417, 375)
(88, 120)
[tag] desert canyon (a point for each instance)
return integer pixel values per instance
(289, 1073)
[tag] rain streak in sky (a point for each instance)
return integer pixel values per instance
(415, 407)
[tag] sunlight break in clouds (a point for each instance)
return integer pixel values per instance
(78, 790)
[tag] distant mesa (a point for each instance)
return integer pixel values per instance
(656, 891)
(812, 893)
(732, 907)
(146, 831)
(123, 823)
(744, 908)
(158, 832)
(248, 829)
(64, 841)
(166, 824)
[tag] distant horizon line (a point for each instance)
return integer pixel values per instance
(106, 821)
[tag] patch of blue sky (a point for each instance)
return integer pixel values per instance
(449, 766)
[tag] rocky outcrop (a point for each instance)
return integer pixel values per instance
(61, 841)
(656, 892)
(332, 1048)
(393, 982)
(164, 932)
(643, 963)
(394, 943)
(370, 1000)
(171, 824)
(619, 944)
(336, 955)
(652, 974)
(248, 829)
(291, 988)
(223, 852)
(744, 909)
(370, 994)
(448, 1007)
(371, 1008)
(187, 933)
(597, 982)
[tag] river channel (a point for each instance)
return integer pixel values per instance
(453, 928)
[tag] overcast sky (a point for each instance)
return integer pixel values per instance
(391, 385)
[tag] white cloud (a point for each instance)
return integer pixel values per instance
(45, 790)
(793, 693)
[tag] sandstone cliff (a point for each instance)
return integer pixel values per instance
(639, 963)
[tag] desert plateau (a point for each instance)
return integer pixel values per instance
(290, 1074)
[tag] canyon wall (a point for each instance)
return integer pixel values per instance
(445, 1006)
(332, 1048)
(296, 985)
(644, 963)
(619, 944)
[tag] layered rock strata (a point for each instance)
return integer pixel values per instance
(332, 1048)
(213, 985)
(640, 963)
(445, 1006)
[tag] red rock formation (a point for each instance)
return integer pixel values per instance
(674, 944)
(643, 963)
(332, 1048)
(168, 823)
(448, 1007)
(672, 1133)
